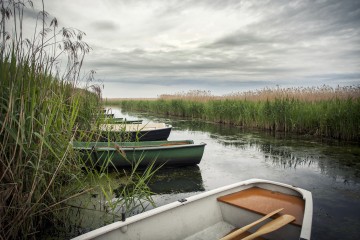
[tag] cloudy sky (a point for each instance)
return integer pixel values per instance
(144, 48)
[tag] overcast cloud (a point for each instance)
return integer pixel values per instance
(144, 48)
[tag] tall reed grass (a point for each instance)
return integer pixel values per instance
(41, 111)
(323, 112)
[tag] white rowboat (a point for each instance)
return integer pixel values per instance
(216, 213)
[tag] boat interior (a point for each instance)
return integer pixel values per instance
(132, 127)
(240, 208)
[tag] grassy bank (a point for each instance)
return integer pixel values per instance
(324, 112)
(41, 111)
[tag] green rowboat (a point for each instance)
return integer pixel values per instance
(126, 154)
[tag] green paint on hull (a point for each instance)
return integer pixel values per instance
(126, 154)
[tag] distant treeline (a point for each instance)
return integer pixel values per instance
(333, 117)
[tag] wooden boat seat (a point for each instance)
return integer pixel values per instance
(264, 201)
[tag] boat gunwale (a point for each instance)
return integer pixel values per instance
(306, 195)
(108, 149)
(145, 130)
(140, 130)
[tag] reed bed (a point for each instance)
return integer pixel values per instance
(323, 112)
(309, 94)
(41, 111)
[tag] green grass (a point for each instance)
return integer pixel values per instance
(41, 111)
(332, 118)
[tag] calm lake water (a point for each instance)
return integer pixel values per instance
(329, 169)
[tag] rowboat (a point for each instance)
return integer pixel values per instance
(135, 131)
(126, 154)
(266, 209)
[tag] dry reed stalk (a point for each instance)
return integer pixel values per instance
(192, 95)
(308, 94)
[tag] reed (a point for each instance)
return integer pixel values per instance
(323, 112)
(39, 114)
(308, 94)
(41, 111)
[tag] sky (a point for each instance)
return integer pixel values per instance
(145, 48)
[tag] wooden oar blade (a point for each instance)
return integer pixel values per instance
(247, 227)
(271, 226)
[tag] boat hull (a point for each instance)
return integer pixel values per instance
(135, 134)
(142, 154)
(203, 217)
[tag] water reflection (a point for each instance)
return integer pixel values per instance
(338, 160)
(285, 157)
(177, 180)
(328, 168)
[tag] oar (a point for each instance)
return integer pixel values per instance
(247, 227)
(271, 226)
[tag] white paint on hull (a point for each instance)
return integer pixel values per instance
(203, 213)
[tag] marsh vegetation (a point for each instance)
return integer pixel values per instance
(323, 112)
(42, 109)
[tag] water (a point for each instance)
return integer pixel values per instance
(329, 169)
